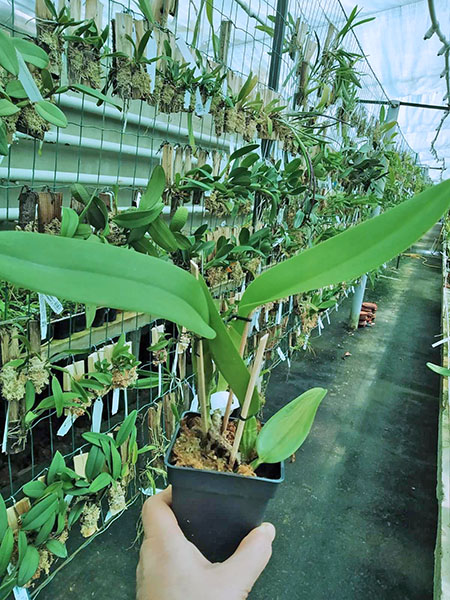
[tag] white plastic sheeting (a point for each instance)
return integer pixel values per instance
(409, 69)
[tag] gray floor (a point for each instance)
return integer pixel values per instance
(356, 516)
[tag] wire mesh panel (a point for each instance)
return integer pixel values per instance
(245, 118)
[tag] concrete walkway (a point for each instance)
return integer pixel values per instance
(356, 517)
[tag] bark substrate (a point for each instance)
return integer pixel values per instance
(212, 453)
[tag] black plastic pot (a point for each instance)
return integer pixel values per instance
(217, 510)
(111, 315)
(100, 316)
(63, 328)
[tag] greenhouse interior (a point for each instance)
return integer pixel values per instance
(224, 299)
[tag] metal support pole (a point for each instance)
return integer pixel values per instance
(358, 298)
(274, 77)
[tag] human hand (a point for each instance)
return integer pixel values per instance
(172, 568)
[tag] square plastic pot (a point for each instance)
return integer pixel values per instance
(217, 510)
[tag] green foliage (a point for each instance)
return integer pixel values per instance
(285, 432)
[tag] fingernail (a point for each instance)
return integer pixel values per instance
(269, 530)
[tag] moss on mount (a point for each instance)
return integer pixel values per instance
(83, 64)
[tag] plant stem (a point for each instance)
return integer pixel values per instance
(226, 416)
(248, 396)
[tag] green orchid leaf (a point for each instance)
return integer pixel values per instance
(155, 189)
(439, 370)
(84, 89)
(57, 548)
(8, 56)
(51, 113)
(29, 565)
(32, 54)
(350, 254)
(285, 432)
(7, 108)
(100, 482)
(69, 223)
(135, 219)
(104, 275)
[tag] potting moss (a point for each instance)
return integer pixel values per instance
(123, 379)
(51, 43)
(131, 80)
(31, 123)
(89, 520)
(83, 63)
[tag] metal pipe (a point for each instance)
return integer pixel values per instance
(165, 129)
(12, 214)
(27, 175)
(402, 103)
(52, 137)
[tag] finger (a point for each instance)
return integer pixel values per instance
(251, 557)
(157, 516)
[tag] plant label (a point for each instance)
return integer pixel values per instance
(93, 358)
(67, 424)
(97, 413)
(281, 354)
(306, 341)
(291, 303)
(187, 99)
(79, 464)
(279, 314)
(157, 332)
(327, 314)
(54, 304)
(199, 110)
(160, 380)
(125, 399)
(5, 432)
(152, 51)
(186, 54)
(43, 316)
(115, 401)
(75, 370)
(218, 402)
(207, 106)
(21, 593)
(107, 351)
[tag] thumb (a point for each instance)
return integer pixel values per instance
(251, 557)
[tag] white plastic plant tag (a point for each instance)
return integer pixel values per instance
(266, 315)
(327, 314)
(43, 316)
(306, 341)
(125, 401)
(186, 54)
(279, 314)
(160, 379)
(243, 287)
(219, 401)
(5, 432)
(225, 87)
(175, 361)
(21, 593)
(67, 424)
(54, 304)
(280, 216)
(320, 323)
(288, 362)
(115, 401)
(337, 306)
(281, 354)
(187, 99)
(291, 303)
(97, 413)
(353, 289)
(151, 51)
(199, 110)
(108, 516)
(345, 293)
(207, 106)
